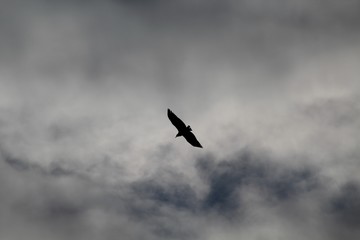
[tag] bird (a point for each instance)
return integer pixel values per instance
(183, 130)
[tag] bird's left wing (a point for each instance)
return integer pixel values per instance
(177, 122)
(190, 137)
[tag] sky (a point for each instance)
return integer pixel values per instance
(270, 88)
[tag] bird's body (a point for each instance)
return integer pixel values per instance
(183, 130)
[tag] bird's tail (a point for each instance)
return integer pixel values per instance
(189, 128)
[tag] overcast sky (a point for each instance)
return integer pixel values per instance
(270, 88)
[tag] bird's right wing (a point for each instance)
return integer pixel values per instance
(180, 125)
(190, 137)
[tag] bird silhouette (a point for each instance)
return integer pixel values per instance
(183, 130)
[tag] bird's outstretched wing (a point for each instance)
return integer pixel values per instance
(180, 125)
(190, 137)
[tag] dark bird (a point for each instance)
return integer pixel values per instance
(184, 130)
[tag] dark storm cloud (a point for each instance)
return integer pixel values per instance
(248, 170)
(166, 205)
(345, 205)
(148, 207)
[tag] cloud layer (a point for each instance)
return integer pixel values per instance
(269, 87)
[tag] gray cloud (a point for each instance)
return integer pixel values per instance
(161, 207)
(345, 205)
(269, 87)
(227, 178)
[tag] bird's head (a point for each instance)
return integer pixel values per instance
(178, 135)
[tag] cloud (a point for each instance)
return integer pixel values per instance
(247, 170)
(269, 87)
(345, 205)
(166, 205)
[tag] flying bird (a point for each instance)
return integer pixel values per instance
(184, 130)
